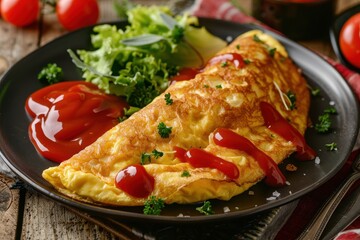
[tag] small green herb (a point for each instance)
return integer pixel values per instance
(163, 130)
(168, 99)
(330, 110)
(224, 64)
(272, 52)
(218, 86)
(331, 146)
(257, 39)
(292, 98)
(185, 173)
(50, 74)
(324, 123)
(206, 86)
(238, 46)
(206, 208)
(314, 91)
(157, 154)
(153, 206)
(247, 61)
(128, 112)
(145, 158)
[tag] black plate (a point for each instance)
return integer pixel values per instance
(335, 32)
(20, 81)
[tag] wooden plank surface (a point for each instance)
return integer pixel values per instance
(39, 217)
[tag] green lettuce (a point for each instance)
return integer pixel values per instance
(137, 62)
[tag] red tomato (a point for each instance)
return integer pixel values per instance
(349, 40)
(20, 12)
(74, 14)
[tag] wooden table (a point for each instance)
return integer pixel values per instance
(25, 214)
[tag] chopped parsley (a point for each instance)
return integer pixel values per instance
(238, 46)
(168, 99)
(224, 64)
(163, 130)
(272, 51)
(185, 173)
(206, 86)
(330, 110)
(206, 208)
(50, 74)
(146, 157)
(157, 154)
(247, 61)
(331, 146)
(128, 112)
(324, 123)
(218, 86)
(257, 39)
(292, 98)
(153, 206)
(314, 91)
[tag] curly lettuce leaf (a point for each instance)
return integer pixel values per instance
(137, 62)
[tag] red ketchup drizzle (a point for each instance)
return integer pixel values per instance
(276, 123)
(69, 116)
(199, 158)
(229, 139)
(185, 74)
(135, 181)
(234, 58)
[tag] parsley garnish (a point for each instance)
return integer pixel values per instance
(157, 154)
(163, 130)
(247, 61)
(238, 46)
(153, 206)
(272, 51)
(331, 146)
(224, 64)
(330, 110)
(324, 123)
(257, 39)
(206, 208)
(314, 91)
(50, 74)
(206, 86)
(292, 98)
(168, 99)
(218, 86)
(128, 112)
(146, 157)
(185, 173)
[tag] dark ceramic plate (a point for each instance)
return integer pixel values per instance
(20, 81)
(335, 32)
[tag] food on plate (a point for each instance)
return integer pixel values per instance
(211, 137)
(137, 62)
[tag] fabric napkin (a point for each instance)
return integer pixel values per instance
(310, 203)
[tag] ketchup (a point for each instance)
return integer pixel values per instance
(199, 158)
(276, 123)
(185, 74)
(233, 58)
(69, 116)
(135, 181)
(229, 139)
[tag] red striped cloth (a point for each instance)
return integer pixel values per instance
(310, 203)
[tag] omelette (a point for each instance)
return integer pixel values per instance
(211, 137)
